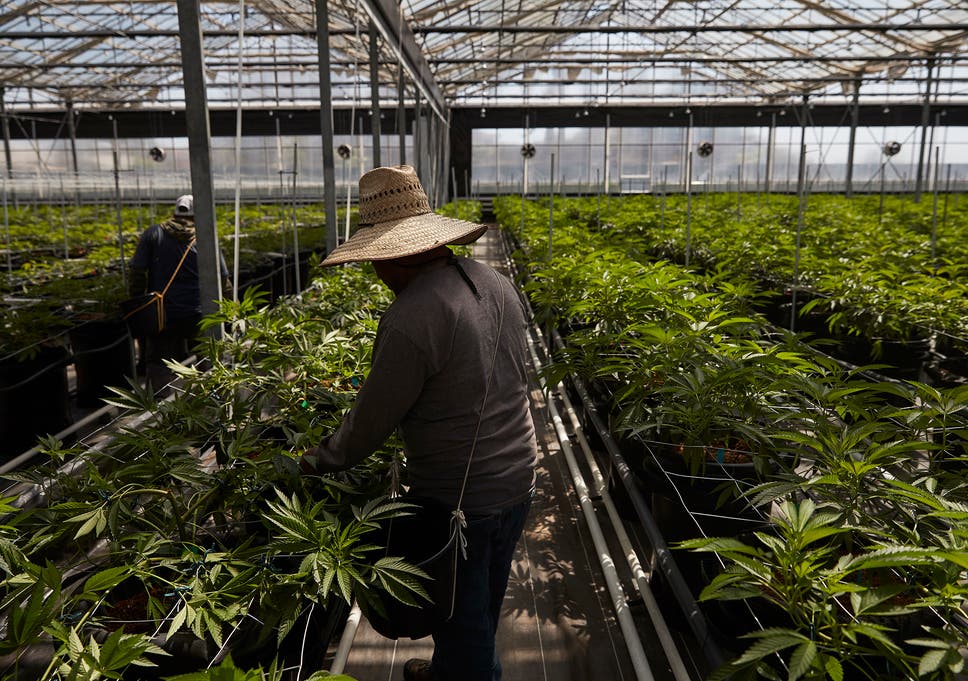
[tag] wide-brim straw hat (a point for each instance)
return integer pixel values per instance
(395, 220)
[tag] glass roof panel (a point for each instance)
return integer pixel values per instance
(110, 54)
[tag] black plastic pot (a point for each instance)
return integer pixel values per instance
(902, 360)
(33, 398)
(102, 357)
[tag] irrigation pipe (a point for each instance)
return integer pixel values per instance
(346, 640)
(641, 579)
(631, 636)
(678, 586)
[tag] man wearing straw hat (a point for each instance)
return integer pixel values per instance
(449, 371)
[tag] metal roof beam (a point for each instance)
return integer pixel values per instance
(387, 16)
(700, 28)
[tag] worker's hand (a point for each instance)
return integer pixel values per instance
(287, 468)
(308, 461)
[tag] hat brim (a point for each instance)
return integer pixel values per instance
(407, 236)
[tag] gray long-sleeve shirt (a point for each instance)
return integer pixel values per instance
(431, 357)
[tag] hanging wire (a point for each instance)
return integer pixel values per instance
(238, 158)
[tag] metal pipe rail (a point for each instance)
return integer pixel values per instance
(669, 647)
(619, 602)
(670, 571)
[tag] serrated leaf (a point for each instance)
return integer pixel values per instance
(106, 579)
(834, 669)
(801, 659)
(931, 661)
(771, 641)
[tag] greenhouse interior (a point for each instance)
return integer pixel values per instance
(738, 231)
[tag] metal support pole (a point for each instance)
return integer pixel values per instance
(117, 204)
(608, 127)
(598, 209)
(401, 118)
(527, 135)
(852, 141)
(801, 194)
(551, 208)
(6, 224)
(768, 180)
(445, 158)
(295, 226)
(326, 125)
(200, 155)
(417, 134)
(6, 132)
(925, 122)
(687, 156)
(72, 134)
(934, 209)
(375, 94)
(688, 204)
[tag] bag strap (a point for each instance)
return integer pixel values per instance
(487, 388)
(458, 522)
(175, 273)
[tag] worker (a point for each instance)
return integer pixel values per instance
(166, 253)
(449, 371)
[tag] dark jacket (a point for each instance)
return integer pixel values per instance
(154, 261)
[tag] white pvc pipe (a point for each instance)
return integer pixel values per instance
(632, 641)
(641, 579)
(346, 640)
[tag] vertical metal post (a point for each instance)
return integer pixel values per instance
(598, 210)
(63, 207)
(934, 208)
(687, 155)
(524, 174)
(445, 160)
(852, 141)
(375, 93)
(947, 194)
(739, 190)
(5, 124)
(6, 223)
(801, 195)
(401, 118)
(606, 154)
(417, 133)
(72, 134)
(551, 207)
(880, 208)
(925, 121)
(689, 203)
(770, 139)
(117, 203)
(200, 155)
(295, 226)
(326, 125)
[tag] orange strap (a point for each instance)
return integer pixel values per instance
(175, 273)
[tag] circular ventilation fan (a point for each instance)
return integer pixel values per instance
(892, 148)
(705, 149)
(528, 150)
(344, 151)
(157, 154)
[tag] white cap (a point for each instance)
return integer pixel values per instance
(185, 206)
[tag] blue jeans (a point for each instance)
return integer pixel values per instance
(464, 648)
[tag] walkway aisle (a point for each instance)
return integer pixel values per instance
(557, 623)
